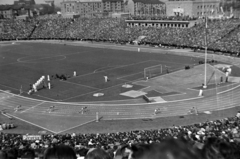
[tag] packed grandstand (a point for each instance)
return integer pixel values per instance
(222, 34)
(205, 140)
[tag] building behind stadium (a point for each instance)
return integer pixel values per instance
(22, 9)
(119, 8)
(98, 8)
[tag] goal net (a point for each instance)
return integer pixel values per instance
(152, 71)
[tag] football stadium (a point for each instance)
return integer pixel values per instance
(98, 87)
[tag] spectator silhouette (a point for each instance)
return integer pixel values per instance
(28, 154)
(3, 155)
(169, 149)
(97, 154)
(60, 152)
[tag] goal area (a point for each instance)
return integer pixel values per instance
(153, 71)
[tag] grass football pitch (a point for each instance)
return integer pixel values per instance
(23, 64)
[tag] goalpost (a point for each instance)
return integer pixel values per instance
(152, 71)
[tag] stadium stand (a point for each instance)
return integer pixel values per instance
(222, 34)
(210, 139)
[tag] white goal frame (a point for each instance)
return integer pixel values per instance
(153, 71)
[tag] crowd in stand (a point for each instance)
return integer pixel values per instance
(17, 29)
(211, 139)
(222, 35)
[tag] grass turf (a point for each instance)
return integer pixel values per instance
(25, 63)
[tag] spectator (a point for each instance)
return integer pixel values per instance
(28, 154)
(97, 153)
(60, 152)
(3, 155)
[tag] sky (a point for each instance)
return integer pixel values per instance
(57, 2)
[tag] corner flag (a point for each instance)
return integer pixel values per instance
(20, 90)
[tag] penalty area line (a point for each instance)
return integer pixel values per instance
(122, 66)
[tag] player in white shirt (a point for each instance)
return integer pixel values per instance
(106, 78)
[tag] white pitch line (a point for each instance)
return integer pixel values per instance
(169, 62)
(168, 74)
(32, 107)
(114, 68)
(80, 85)
(107, 67)
(19, 59)
(36, 60)
(146, 87)
(130, 75)
(30, 123)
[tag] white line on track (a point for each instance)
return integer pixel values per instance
(182, 100)
(76, 126)
(30, 123)
(46, 97)
(32, 107)
(175, 94)
(230, 85)
(228, 90)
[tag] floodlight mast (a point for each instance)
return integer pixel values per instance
(205, 69)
